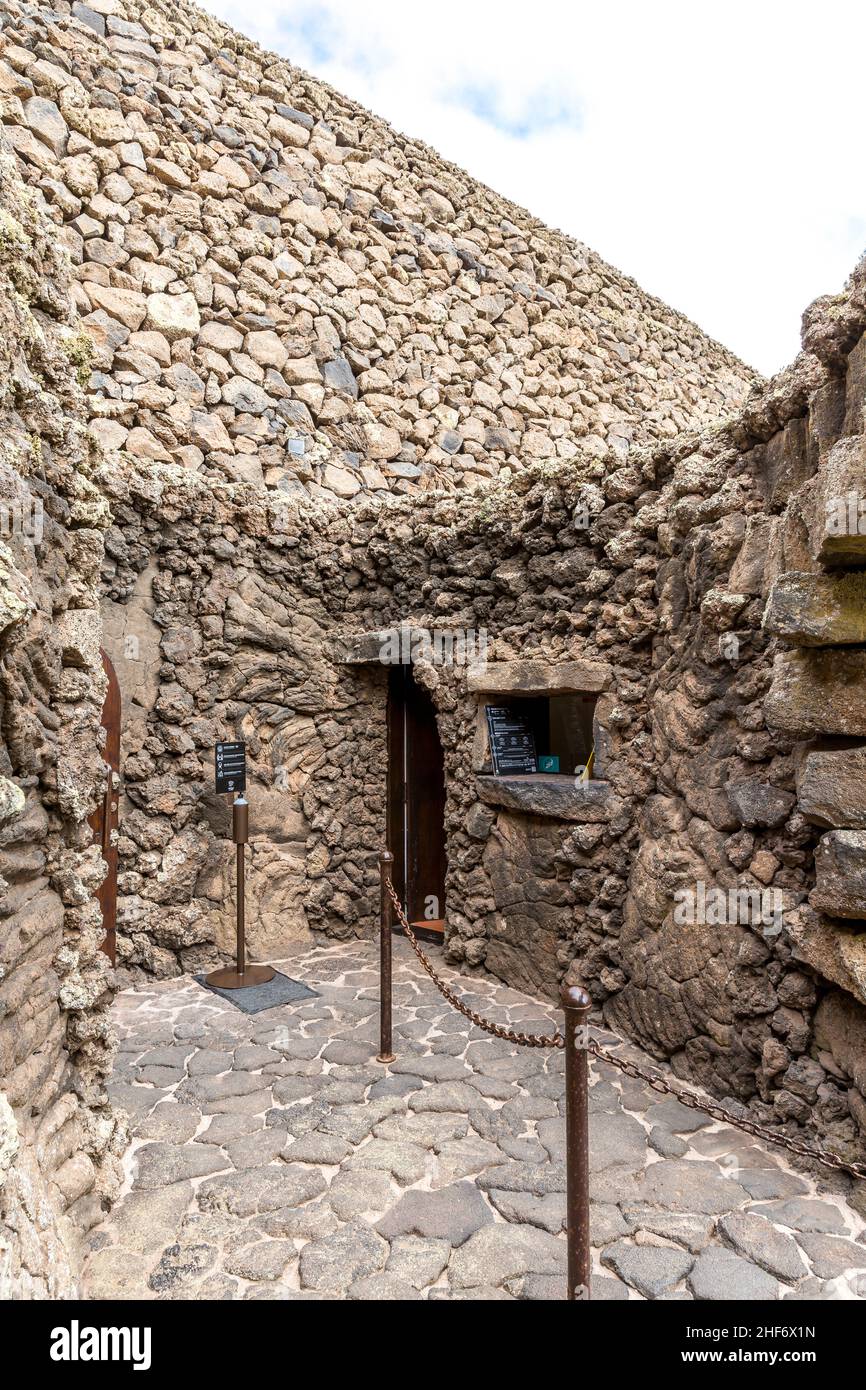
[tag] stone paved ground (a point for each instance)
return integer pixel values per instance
(273, 1157)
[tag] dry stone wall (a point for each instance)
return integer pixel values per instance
(282, 290)
(58, 1138)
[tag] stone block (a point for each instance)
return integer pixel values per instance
(757, 803)
(44, 119)
(811, 610)
(126, 306)
(79, 634)
(786, 463)
(826, 416)
(818, 691)
(173, 315)
(539, 677)
(747, 573)
(840, 874)
(339, 376)
(855, 390)
(840, 1029)
(838, 524)
(831, 787)
(382, 442)
(836, 951)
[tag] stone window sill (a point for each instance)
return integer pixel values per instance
(551, 795)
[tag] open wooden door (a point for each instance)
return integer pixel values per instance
(105, 818)
(416, 802)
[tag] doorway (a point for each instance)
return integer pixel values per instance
(105, 818)
(416, 803)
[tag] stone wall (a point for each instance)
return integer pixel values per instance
(336, 385)
(281, 289)
(646, 583)
(217, 619)
(742, 570)
(58, 1138)
(700, 562)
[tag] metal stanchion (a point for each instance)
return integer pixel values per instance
(576, 1004)
(243, 975)
(386, 859)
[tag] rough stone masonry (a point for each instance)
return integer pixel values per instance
(278, 379)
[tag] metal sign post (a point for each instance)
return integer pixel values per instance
(576, 1004)
(385, 1053)
(231, 775)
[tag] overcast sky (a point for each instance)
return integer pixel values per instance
(712, 151)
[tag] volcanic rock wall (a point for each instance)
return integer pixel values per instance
(310, 339)
(217, 620)
(699, 561)
(645, 583)
(753, 555)
(289, 301)
(283, 290)
(57, 1135)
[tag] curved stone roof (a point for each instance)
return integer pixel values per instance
(280, 288)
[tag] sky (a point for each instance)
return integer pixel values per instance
(711, 151)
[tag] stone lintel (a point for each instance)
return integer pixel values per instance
(404, 643)
(358, 648)
(540, 677)
(553, 796)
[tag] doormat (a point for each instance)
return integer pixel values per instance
(254, 999)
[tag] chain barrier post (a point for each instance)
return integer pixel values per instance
(386, 859)
(243, 976)
(576, 1004)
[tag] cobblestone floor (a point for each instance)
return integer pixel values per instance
(274, 1158)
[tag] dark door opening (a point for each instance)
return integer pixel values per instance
(105, 818)
(416, 802)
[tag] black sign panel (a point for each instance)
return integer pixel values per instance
(512, 742)
(230, 764)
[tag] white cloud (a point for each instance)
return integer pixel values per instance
(712, 152)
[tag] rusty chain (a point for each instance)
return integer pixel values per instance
(497, 1029)
(719, 1112)
(654, 1080)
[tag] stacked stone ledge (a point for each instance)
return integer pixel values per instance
(59, 1139)
(815, 610)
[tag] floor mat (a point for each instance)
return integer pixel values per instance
(256, 998)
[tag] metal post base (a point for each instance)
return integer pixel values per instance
(230, 978)
(386, 1057)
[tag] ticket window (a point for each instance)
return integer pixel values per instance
(563, 730)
